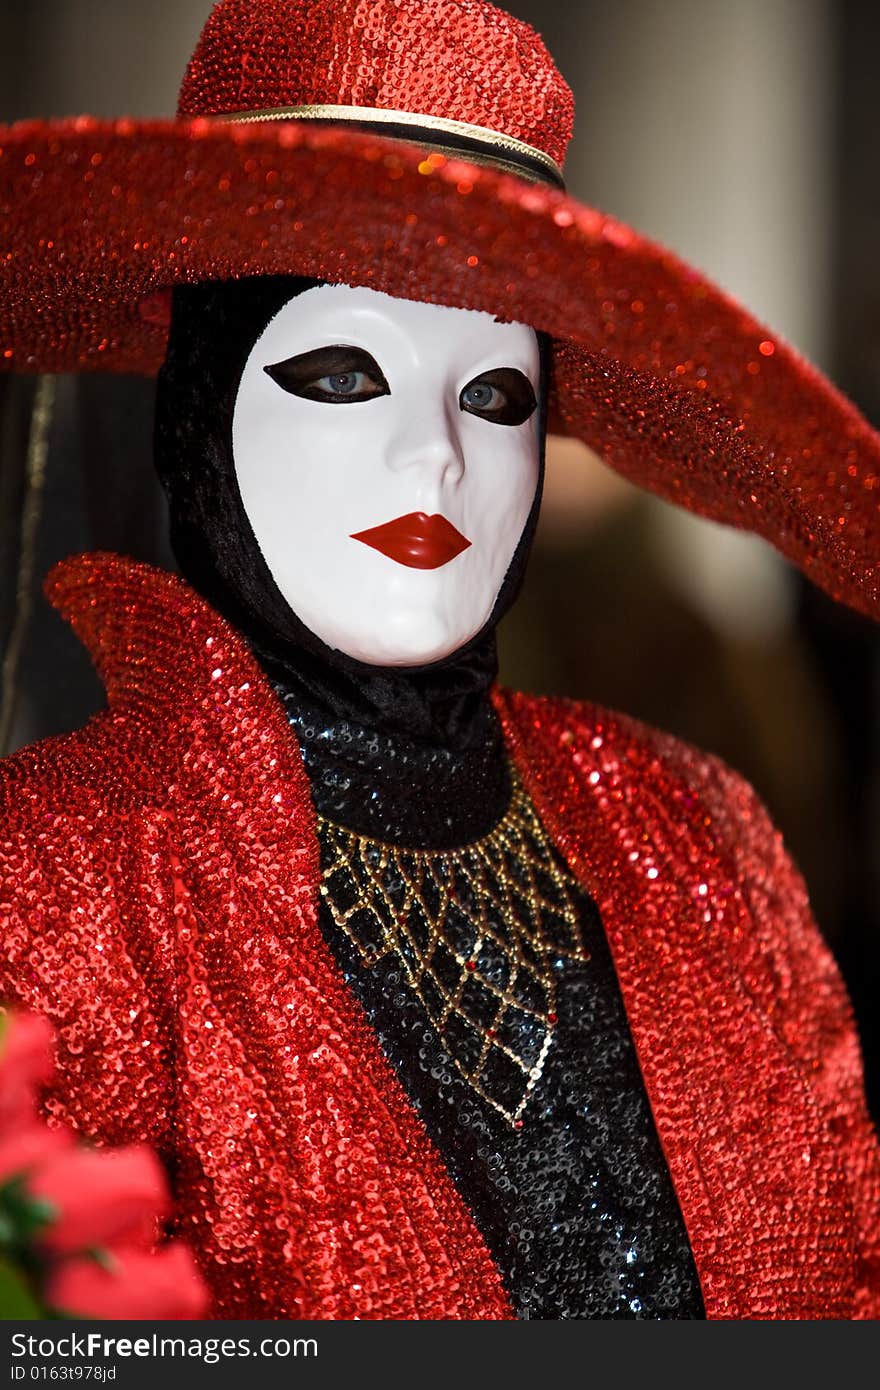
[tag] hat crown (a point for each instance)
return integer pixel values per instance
(463, 60)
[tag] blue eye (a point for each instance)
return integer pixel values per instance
(345, 383)
(482, 395)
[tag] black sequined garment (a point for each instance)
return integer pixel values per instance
(577, 1205)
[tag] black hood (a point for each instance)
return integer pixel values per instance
(442, 706)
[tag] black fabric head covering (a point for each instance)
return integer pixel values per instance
(443, 704)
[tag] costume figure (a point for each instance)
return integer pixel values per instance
(437, 999)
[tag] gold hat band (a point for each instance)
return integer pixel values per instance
(455, 138)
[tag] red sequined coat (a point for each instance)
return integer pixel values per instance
(159, 878)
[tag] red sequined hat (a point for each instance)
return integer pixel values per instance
(415, 146)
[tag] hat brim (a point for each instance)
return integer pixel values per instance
(655, 368)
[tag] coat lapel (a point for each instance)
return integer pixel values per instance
(748, 1154)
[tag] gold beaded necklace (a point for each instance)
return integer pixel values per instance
(481, 932)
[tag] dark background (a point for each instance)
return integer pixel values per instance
(743, 133)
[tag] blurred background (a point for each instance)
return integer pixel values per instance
(743, 134)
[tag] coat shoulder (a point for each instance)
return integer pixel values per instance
(691, 800)
(687, 795)
(591, 734)
(95, 770)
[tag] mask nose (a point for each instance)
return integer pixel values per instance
(427, 442)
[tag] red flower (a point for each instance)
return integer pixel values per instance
(25, 1062)
(136, 1284)
(100, 1196)
(32, 1145)
(91, 1215)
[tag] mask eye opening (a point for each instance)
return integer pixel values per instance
(511, 400)
(310, 375)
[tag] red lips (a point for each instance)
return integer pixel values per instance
(423, 542)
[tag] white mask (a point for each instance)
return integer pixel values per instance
(406, 426)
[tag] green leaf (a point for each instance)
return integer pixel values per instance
(16, 1298)
(22, 1216)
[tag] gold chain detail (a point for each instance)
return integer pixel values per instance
(477, 930)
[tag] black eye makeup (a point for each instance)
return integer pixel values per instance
(337, 375)
(504, 396)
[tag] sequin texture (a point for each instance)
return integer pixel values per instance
(470, 787)
(159, 901)
(486, 68)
